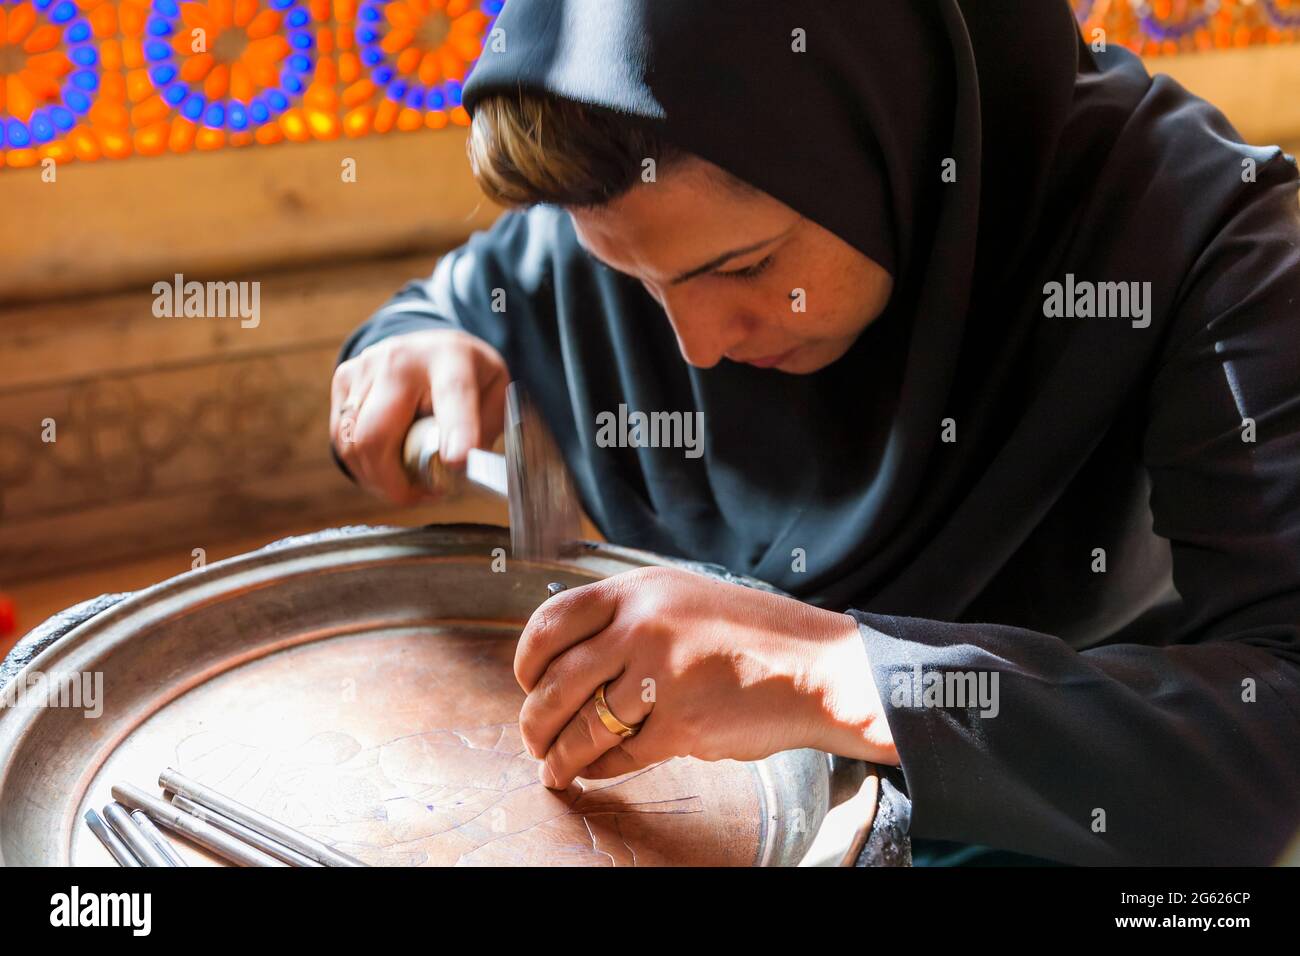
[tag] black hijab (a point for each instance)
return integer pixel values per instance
(854, 132)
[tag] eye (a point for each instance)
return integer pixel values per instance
(748, 272)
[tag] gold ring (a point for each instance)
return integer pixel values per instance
(612, 723)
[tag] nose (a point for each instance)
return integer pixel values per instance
(704, 334)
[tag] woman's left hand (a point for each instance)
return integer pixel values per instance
(709, 669)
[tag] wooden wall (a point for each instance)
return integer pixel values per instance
(175, 433)
(111, 226)
(171, 431)
(1258, 87)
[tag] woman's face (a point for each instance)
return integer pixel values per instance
(727, 265)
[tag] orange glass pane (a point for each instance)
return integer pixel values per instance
(19, 23)
(45, 37)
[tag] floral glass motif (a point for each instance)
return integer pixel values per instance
(107, 79)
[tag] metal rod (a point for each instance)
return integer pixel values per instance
(286, 835)
(133, 836)
(112, 842)
(237, 829)
(156, 837)
(204, 834)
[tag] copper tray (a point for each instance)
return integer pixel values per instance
(357, 684)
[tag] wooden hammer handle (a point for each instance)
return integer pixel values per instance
(422, 463)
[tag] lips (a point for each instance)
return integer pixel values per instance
(767, 361)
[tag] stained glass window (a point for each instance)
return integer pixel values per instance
(106, 79)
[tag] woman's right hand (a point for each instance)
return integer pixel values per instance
(378, 394)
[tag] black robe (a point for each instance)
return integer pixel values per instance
(1103, 511)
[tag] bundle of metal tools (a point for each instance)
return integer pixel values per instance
(129, 829)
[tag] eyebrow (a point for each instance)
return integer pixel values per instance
(726, 256)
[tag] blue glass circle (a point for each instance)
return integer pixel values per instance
(370, 30)
(230, 113)
(50, 120)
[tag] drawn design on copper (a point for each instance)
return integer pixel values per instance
(448, 796)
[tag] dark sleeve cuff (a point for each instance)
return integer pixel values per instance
(955, 782)
(918, 733)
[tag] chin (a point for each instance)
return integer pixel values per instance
(811, 360)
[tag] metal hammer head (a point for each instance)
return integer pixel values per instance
(543, 503)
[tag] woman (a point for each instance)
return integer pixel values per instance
(992, 339)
